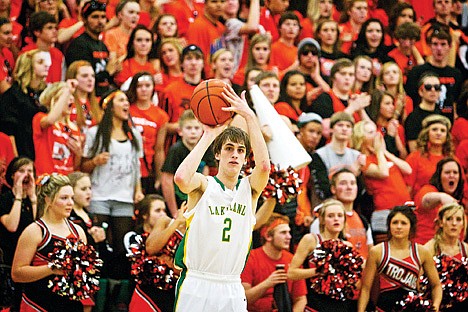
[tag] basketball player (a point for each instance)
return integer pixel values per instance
(220, 214)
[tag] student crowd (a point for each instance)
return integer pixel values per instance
(95, 121)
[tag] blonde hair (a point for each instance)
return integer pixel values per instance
(359, 133)
(50, 96)
(379, 80)
(323, 211)
(256, 39)
(24, 70)
(49, 186)
(96, 112)
(447, 208)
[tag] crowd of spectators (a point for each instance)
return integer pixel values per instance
(375, 91)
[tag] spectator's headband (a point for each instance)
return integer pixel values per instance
(267, 228)
(91, 6)
(109, 98)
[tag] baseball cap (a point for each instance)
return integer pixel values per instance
(92, 6)
(307, 42)
(305, 118)
(191, 49)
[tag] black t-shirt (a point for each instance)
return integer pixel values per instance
(86, 48)
(323, 106)
(413, 123)
(9, 240)
(451, 80)
(176, 154)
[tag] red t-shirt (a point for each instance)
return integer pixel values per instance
(258, 267)
(389, 192)
(423, 169)
(130, 67)
(57, 66)
(50, 146)
(406, 63)
(148, 122)
(184, 14)
(426, 217)
(459, 130)
(68, 22)
(282, 55)
(287, 110)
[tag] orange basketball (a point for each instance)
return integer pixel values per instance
(207, 101)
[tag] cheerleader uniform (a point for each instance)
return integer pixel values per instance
(397, 277)
(160, 295)
(322, 302)
(459, 306)
(37, 296)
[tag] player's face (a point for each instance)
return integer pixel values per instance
(363, 70)
(156, 212)
(261, 52)
(346, 188)
(169, 55)
(271, 88)
(387, 107)
(130, 15)
(62, 204)
(224, 65)
(281, 237)
(400, 226)
(167, 27)
(142, 42)
(296, 87)
(310, 135)
(453, 223)
(450, 177)
(334, 219)
(82, 192)
(86, 79)
(191, 132)
(121, 106)
(232, 156)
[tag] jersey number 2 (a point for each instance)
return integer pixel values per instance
(227, 228)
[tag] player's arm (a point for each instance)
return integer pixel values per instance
(186, 177)
(259, 177)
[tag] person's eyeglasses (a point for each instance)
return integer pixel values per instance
(95, 5)
(428, 87)
(306, 52)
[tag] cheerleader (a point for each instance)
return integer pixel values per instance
(30, 264)
(161, 235)
(451, 221)
(332, 217)
(398, 262)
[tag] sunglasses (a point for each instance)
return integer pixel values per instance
(428, 87)
(306, 52)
